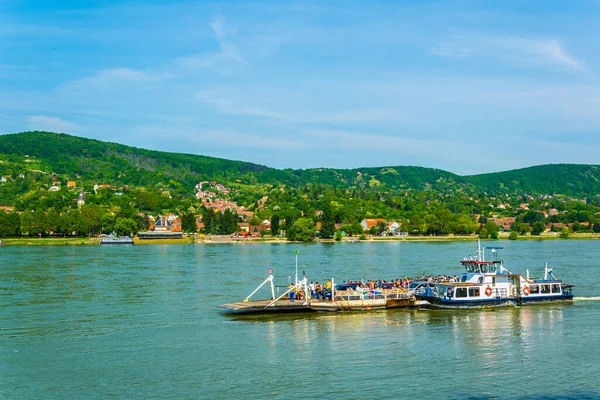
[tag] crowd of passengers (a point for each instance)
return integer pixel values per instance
(323, 291)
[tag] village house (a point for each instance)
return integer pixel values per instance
(368, 223)
(261, 203)
(166, 223)
(505, 223)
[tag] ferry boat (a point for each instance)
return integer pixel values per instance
(301, 297)
(490, 284)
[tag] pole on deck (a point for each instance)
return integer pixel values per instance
(296, 252)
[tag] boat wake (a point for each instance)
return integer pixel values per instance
(594, 298)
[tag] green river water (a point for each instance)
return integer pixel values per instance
(142, 322)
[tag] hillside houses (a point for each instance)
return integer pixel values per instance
(368, 223)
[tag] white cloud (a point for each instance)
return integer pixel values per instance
(374, 141)
(113, 77)
(221, 28)
(52, 124)
(227, 103)
(229, 54)
(530, 52)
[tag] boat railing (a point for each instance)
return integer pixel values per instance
(383, 294)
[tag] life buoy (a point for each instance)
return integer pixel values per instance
(526, 290)
(488, 291)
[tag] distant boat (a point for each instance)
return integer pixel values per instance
(114, 239)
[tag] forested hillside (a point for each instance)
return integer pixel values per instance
(43, 174)
(118, 164)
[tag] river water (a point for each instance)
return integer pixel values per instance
(142, 322)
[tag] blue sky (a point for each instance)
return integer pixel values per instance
(465, 86)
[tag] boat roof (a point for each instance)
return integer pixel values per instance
(477, 262)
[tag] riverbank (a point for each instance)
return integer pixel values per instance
(59, 241)
(216, 239)
(355, 239)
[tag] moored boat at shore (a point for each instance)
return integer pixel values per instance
(114, 239)
(490, 284)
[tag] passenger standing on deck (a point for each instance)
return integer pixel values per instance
(292, 292)
(328, 290)
(312, 288)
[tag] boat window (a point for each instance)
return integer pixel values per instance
(555, 288)
(492, 268)
(469, 268)
(461, 292)
(484, 268)
(480, 280)
(441, 291)
(534, 289)
(474, 292)
(450, 292)
(545, 288)
(464, 278)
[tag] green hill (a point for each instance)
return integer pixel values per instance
(100, 162)
(112, 163)
(567, 179)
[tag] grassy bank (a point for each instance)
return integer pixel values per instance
(49, 241)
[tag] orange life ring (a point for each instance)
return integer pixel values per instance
(526, 290)
(488, 291)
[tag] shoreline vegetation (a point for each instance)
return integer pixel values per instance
(223, 239)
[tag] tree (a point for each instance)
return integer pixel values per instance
(254, 221)
(483, 233)
(209, 219)
(188, 222)
(40, 225)
(125, 226)
(327, 220)
(538, 227)
(464, 225)
(415, 225)
(52, 220)
(14, 223)
(492, 229)
(92, 218)
(275, 225)
(338, 236)
(522, 228)
(303, 230)
(108, 223)
(564, 234)
(4, 224)
(28, 223)
(513, 235)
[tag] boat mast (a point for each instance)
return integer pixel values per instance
(296, 283)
